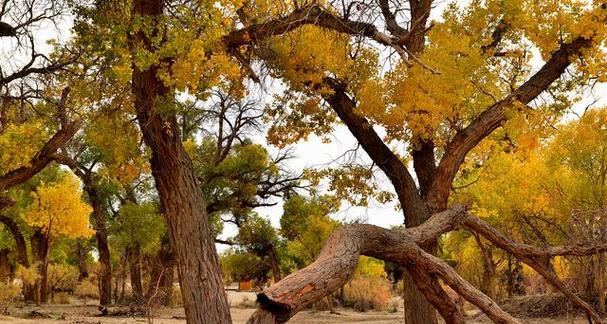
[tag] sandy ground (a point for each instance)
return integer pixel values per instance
(88, 314)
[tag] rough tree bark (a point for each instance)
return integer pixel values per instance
(99, 224)
(134, 255)
(337, 262)
(40, 248)
(82, 251)
(178, 187)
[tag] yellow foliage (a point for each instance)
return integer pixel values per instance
(28, 275)
(369, 267)
(59, 209)
(19, 143)
(365, 294)
(8, 291)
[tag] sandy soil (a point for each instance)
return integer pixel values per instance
(78, 313)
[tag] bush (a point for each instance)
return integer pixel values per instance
(28, 275)
(365, 294)
(176, 299)
(393, 306)
(8, 294)
(87, 289)
(61, 298)
(62, 277)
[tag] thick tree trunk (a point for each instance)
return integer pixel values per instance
(134, 254)
(82, 252)
(5, 268)
(40, 249)
(178, 186)
(99, 224)
(337, 263)
(417, 308)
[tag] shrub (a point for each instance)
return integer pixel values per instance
(8, 294)
(365, 294)
(62, 277)
(61, 298)
(176, 299)
(393, 306)
(28, 275)
(87, 289)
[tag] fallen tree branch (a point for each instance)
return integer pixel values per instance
(337, 262)
(538, 258)
(338, 259)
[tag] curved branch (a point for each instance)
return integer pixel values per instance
(337, 262)
(12, 226)
(42, 158)
(394, 168)
(538, 258)
(313, 14)
(495, 116)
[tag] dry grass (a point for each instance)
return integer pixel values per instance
(61, 298)
(365, 294)
(87, 289)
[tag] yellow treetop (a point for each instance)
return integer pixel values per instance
(58, 209)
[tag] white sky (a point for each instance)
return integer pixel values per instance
(307, 154)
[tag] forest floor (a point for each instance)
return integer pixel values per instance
(89, 314)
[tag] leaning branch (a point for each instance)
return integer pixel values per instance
(495, 116)
(337, 262)
(46, 154)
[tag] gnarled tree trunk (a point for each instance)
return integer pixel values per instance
(134, 255)
(178, 187)
(337, 262)
(99, 224)
(338, 258)
(40, 249)
(82, 251)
